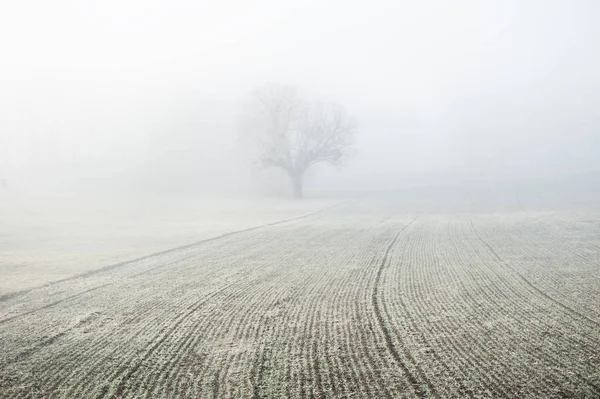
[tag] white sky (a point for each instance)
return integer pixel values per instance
(440, 88)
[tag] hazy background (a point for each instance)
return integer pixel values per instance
(119, 119)
(133, 94)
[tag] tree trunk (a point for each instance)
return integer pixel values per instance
(297, 179)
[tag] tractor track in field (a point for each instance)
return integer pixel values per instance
(47, 306)
(12, 295)
(120, 387)
(365, 302)
(568, 309)
(413, 380)
(520, 304)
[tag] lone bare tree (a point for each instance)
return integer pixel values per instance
(293, 134)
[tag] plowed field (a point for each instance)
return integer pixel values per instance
(363, 300)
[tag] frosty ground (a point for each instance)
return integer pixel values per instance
(45, 237)
(370, 298)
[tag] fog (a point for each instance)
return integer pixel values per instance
(147, 94)
(291, 199)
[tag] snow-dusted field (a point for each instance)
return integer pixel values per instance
(53, 237)
(368, 299)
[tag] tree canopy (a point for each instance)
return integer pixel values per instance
(293, 134)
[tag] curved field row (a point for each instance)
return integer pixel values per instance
(570, 310)
(27, 301)
(362, 301)
(164, 328)
(562, 258)
(456, 308)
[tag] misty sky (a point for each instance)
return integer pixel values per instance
(441, 89)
